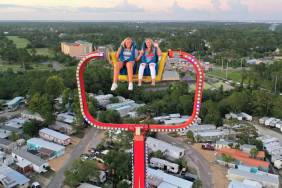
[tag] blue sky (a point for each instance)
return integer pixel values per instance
(182, 10)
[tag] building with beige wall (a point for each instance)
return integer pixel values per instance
(77, 49)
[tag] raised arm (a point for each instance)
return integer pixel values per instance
(156, 45)
(159, 52)
(118, 52)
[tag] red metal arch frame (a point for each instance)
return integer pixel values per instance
(139, 160)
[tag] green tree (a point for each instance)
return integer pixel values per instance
(119, 164)
(76, 109)
(66, 95)
(197, 184)
(277, 111)
(14, 136)
(123, 184)
(254, 152)
(262, 103)
(190, 136)
(30, 128)
(114, 100)
(227, 158)
(42, 105)
(210, 113)
(81, 171)
(54, 86)
(109, 116)
(93, 107)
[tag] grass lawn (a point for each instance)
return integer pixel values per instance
(20, 42)
(18, 67)
(4, 67)
(206, 86)
(234, 75)
(43, 51)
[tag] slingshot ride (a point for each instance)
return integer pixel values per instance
(139, 130)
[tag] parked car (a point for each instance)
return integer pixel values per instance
(208, 146)
(35, 185)
(84, 157)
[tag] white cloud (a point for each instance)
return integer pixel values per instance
(125, 6)
(140, 10)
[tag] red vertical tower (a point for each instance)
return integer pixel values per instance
(139, 146)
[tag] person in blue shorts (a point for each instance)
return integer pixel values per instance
(126, 56)
(149, 57)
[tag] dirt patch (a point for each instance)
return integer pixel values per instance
(218, 172)
(57, 163)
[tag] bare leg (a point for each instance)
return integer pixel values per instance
(129, 67)
(153, 73)
(117, 68)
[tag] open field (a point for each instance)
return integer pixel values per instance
(4, 66)
(20, 42)
(18, 67)
(216, 85)
(234, 75)
(43, 51)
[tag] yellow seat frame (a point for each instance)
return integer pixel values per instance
(161, 67)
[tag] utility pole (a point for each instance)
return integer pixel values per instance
(275, 87)
(226, 73)
(221, 64)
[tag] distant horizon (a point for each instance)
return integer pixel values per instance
(155, 21)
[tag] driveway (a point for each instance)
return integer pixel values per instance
(91, 136)
(192, 157)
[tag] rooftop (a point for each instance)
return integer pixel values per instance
(54, 134)
(4, 133)
(76, 43)
(14, 100)
(19, 131)
(58, 125)
(15, 123)
(247, 146)
(45, 144)
(29, 156)
(259, 177)
(224, 142)
(209, 133)
(66, 117)
(24, 163)
(238, 184)
(11, 177)
(169, 179)
(5, 142)
(163, 144)
(87, 185)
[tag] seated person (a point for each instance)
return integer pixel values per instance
(126, 55)
(149, 57)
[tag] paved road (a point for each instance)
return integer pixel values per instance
(91, 136)
(56, 66)
(268, 131)
(194, 158)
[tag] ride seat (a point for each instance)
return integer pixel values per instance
(147, 74)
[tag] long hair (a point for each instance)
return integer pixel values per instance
(152, 44)
(123, 42)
